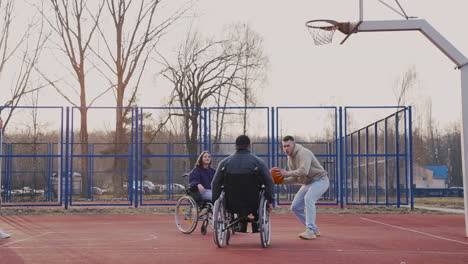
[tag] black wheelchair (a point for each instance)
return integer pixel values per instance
(242, 195)
(188, 210)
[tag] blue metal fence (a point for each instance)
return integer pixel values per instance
(32, 166)
(370, 165)
(377, 159)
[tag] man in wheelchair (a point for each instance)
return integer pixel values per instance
(243, 177)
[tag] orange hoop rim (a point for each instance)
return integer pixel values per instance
(311, 23)
(333, 25)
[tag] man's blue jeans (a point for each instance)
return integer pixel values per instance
(303, 205)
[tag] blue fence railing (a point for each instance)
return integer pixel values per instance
(371, 165)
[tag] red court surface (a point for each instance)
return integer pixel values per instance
(371, 238)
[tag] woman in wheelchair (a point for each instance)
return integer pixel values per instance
(202, 175)
(196, 204)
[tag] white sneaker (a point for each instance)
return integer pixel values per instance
(308, 234)
(4, 235)
(317, 232)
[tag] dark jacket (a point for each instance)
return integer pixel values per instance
(243, 161)
(200, 175)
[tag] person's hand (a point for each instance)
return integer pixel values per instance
(269, 208)
(282, 172)
(201, 189)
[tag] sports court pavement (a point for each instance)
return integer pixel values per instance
(154, 238)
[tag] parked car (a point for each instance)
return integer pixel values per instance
(97, 191)
(175, 187)
(148, 187)
(26, 190)
(455, 191)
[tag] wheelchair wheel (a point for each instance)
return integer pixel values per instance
(219, 222)
(264, 222)
(186, 214)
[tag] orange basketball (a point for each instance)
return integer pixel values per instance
(276, 176)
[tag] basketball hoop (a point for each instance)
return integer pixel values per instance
(322, 30)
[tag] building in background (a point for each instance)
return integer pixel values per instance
(431, 176)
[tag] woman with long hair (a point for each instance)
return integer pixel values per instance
(202, 175)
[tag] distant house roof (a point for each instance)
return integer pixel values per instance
(440, 172)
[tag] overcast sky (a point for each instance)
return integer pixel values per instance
(362, 72)
(364, 69)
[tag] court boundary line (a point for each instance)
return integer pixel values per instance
(415, 231)
(89, 245)
(344, 250)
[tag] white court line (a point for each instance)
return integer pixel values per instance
(88, 245)
(289, 250)
(415, 231)
(17, 241)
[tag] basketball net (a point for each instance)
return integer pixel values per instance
(322, 30)
(322, 35)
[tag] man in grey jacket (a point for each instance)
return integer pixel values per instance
(304, 168)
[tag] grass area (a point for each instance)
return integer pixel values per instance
(441, 202)
(170, 210)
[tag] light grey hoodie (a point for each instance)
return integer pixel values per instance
(304, 167)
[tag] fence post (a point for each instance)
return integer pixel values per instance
(205, 129)
(67, 144)
(341, 189)
(397, 146)
(50, 153)
(89, 171)
(411, 156)
(386, 160)
(135, 154)
(272, 149)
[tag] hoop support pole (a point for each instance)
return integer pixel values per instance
(454, 55)
(361, 10)
(416, 25)
(464, 139)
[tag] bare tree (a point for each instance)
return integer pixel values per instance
(404, 85)
(75, 24)
(35, 133)
(204, 70)
(453, 160)
(20, 57)
(137, 28)
(433, 137)
(254, 64)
